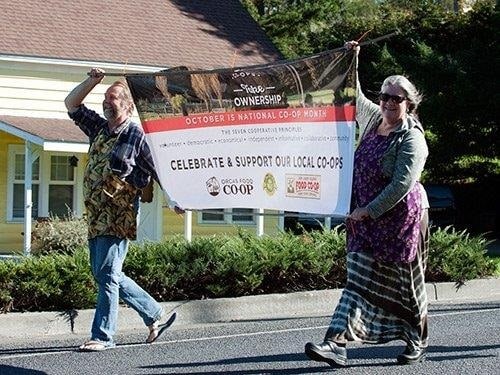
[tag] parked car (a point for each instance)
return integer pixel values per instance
(442, 212)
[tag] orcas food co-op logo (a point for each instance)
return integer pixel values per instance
(213, 186)
(230, 186)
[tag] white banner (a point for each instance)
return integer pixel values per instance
(278, 137)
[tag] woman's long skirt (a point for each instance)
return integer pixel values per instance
(383, 301)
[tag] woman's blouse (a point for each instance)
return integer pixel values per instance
(394, 235)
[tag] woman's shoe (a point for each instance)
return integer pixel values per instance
(412, 355)
(328, 352)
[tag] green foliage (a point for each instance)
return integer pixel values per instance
(61, 235)
(457, 256)
(496, 261)
(299, 28)
(48, 282)
(7, 284)
(387, 64)
(222, 266)
(178, 101)
(478, 167)
(450, 55)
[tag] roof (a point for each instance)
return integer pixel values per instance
(52, 134)
(196, 33)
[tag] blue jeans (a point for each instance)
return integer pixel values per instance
(107, 254)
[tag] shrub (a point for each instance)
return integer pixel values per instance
(7, 283)
(457, 256)
(222, 266)
(47, 282)
(62, 235)
(228, 266)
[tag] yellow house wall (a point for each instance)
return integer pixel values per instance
(11, 237)
(11, 233)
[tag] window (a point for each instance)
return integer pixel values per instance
(53, 184)
(239, 216)
(243, 216)
(61, 185)
(213, 216)
(18, 187)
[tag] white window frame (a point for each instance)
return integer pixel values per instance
(14, 150)
(44, 183)
(228, 218)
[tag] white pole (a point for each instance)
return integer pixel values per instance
(328, 222)
(188, 225)
(260, 223)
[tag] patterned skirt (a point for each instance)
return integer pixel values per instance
(383, 301)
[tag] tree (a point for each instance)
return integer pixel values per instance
(452, 57)
(449, 55)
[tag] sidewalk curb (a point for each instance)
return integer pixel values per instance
(268, 306)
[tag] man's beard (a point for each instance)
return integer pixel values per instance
(109, 113)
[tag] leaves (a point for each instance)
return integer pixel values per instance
(58, 234)
(222, 266)
(449, 55)
(457, 256)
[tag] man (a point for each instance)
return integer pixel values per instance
(120, 165)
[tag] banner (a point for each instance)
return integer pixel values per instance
(277, 136)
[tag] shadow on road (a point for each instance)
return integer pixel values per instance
(12, 370)
(368, 352)
(289, 357)
(47, 349)
(469, 306)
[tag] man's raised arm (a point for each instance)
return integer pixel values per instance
(78, 94)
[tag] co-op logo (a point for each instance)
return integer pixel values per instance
(230, 186)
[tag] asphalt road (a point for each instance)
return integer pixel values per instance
(465, 339)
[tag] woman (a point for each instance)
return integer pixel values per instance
(387, 232)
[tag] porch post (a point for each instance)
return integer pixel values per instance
(28, 197)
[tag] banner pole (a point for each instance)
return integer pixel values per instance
(188, 225)
(260, 223)
(383, 37)
(173, 71)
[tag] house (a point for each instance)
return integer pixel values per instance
(47, 48)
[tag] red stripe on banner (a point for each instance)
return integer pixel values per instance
(252, 117)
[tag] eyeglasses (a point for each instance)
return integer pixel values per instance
(386, 97)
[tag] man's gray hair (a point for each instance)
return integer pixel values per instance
(125, 95)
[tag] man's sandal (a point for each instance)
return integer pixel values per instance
(156, 329)
(94, 346)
